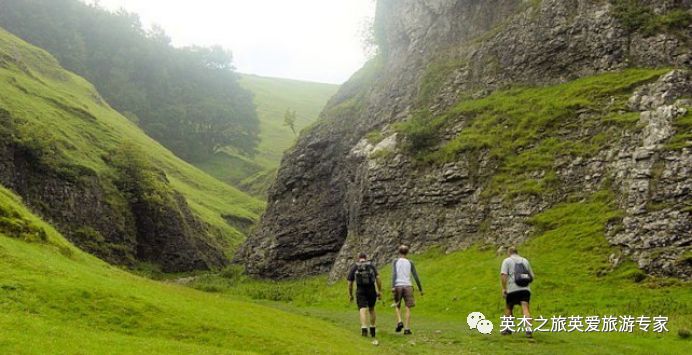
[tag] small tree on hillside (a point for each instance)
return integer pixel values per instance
(290, 120)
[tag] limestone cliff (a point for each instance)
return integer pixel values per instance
(357, 181)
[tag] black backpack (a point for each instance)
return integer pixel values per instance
(522, 276)
(365, 274)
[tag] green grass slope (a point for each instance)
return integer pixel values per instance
(65, 113)
(57, 299)
(524, 130)
(569, 254)
(273, 96)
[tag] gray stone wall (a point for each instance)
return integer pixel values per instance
(332, 197)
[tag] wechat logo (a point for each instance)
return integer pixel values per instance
(476, 320)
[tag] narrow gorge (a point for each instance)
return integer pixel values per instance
(475, 117)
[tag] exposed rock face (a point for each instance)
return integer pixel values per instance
(68, 203)
(103, 222)
(401, 203)
(335, 194)
(171, 236)
(649, 176)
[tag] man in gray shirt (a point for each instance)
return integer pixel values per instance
(403, 270)
(514, 267)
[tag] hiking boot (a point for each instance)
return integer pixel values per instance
(506, 332)
(407, 332)
(399, 327)
(364, 332)
(373, 331)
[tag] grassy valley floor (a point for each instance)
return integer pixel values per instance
(55, 299)
(568, 254)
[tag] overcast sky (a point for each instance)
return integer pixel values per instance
(316, 40)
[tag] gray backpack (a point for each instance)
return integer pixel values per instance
(365, 274)
(522, 276)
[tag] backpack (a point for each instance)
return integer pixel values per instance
(365, 274)
(522, 276)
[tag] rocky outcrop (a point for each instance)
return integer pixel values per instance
(78, 207)
(400, 202)
(337, 191)
(171, 236)
(97, 217)
(655, 183)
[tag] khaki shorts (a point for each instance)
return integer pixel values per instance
(405, 293)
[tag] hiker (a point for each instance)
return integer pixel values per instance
(402, 270)
(368, 290)
(516, 275)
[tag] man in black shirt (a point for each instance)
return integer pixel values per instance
(364, 274)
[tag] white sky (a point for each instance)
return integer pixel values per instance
(315, 40)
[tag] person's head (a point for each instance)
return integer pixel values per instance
(403, 250)
(512, 251)
(362, 257)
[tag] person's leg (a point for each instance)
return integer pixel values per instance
(363, 312)
(410, 303)
(373, 322)
(399, 323)
(525, 309)
(397, 309)
(363, 317)
(508, 313)
(509, 304)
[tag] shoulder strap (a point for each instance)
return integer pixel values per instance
(523, 261)
(526, 264)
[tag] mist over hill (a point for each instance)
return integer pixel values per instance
(107, 186)
(188, 99)
(273, 97)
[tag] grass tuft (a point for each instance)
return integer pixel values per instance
(524, 130)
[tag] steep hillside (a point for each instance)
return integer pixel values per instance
(477, 116)
(273, 97)
(56, 299)
(100, 180)
(187, 99)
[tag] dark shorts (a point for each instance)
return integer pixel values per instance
(366, 298)
(517, 297)
(406, 294)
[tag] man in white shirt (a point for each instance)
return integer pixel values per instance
(513, 293)
(402, 270)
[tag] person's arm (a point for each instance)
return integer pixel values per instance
(379, 287)
(504, 275)
(415, 277)
(378, 282)
(503, 281)
(394, 275)
(351, 277)
(350, 291)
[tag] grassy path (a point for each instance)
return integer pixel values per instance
(574, 278)
(56, 299)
